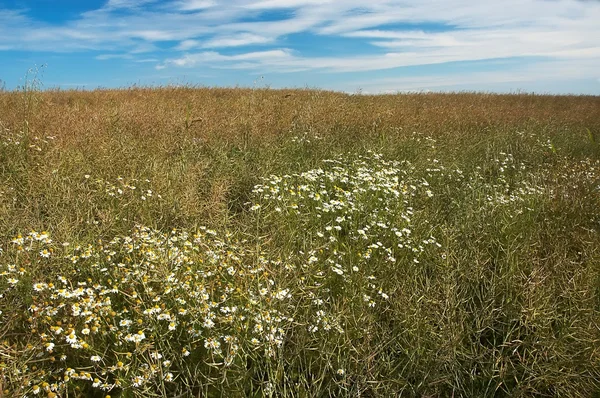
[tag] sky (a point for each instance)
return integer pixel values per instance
(367, 46)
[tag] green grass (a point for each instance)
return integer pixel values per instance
(229, 242)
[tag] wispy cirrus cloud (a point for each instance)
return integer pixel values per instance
(511, 76)
(211, 57)
(237, 40)
(127, 4)
(194, 5)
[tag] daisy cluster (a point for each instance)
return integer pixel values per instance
(10, 138)
(125, 189)
(306, 137)
(506, 182)
(138, 311)
(514, 183)
(354, 221)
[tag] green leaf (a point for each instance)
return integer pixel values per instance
(591, 136)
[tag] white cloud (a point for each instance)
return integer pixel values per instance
(548, 71)
(120, 4)
(188, 45)
(275, 4)
(152, 35)
(146, 60)
(105, 57)
(193, 5)
(242, 39)
(210, 57)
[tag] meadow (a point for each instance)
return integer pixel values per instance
(230, 242)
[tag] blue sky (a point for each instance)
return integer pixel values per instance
(376, 46)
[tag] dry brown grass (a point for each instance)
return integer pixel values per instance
(188, 140)
(170, 114)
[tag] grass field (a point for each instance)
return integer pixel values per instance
(249, 242)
